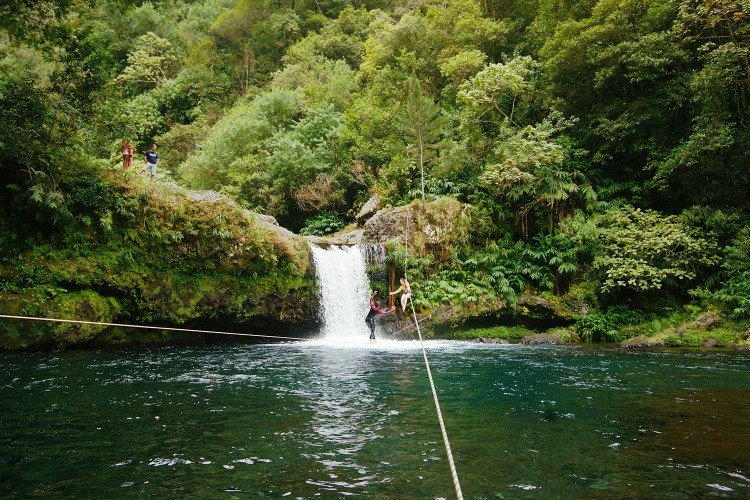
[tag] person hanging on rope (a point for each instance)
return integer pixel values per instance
(406, 287)
(373, 313)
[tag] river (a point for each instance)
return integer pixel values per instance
(319, 419)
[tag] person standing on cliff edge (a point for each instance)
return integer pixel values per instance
(152, 159)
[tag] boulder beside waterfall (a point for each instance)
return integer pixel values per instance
(426, 226)
(368, 209)
(202, 262)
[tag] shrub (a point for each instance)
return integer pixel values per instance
(606, 326)
(644, 251)
(322, 224)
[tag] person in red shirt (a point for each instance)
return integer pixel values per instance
(373, 313)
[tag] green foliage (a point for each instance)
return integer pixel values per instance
(237, 139)
(150, 63)
(606, 326)
(321, 81)
(643, 251)
(565, 126)
(322, 224)
(734, 290)
(422, 126)
(510, 333)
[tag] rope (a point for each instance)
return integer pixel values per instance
(81, 322)
(454, 473)
(190, 330)
(406, 243)
(412, 325)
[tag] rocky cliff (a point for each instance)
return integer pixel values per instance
(191, 258)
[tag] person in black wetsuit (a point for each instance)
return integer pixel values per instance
(372, 314)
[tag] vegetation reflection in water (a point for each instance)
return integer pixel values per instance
(302, 420)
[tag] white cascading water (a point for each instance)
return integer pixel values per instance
(344, 291)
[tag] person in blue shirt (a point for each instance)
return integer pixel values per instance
(152, 159)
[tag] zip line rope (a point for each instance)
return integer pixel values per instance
(454, 473)
(189, 330)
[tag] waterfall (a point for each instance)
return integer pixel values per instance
(344, 291)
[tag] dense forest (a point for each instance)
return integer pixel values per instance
(601, 147)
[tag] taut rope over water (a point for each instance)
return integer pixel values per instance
(171, 328)
(454, 473)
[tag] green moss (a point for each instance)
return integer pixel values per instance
(499, 332)
(566, 334)
(163, 258)
(84, 305)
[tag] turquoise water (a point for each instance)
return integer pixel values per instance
(307, 420)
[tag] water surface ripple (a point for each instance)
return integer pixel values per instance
(307, 420)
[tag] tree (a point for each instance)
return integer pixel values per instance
(713, 153)
(622, 71)
(150, 63)
(494, 95)
(533, 168)
(642, 250)
(423, 127)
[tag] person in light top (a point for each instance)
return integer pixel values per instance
(406, 287)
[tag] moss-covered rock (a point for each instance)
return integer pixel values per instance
(640, 342)
(174, 258)
(543, 339)
(534, 313)
(435, 227)
(81, 306)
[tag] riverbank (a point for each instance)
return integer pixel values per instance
(708, 330)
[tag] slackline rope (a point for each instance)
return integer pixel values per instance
(454, 473)
(81, 322)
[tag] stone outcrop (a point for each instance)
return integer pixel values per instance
(641, 341)
(226, 265)
(430, 224)
(533, 311)
(485, 340)
(710, 342)
(543, 339)
(368, 209)
(343, 238)
(707, 321)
